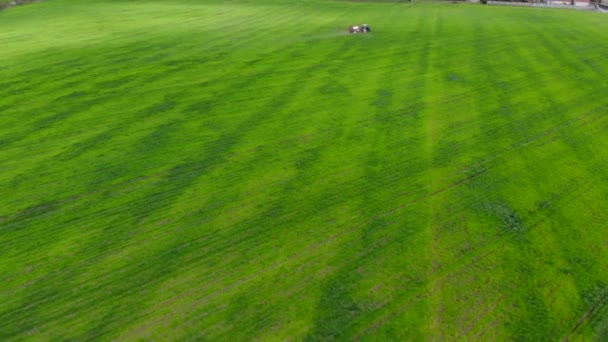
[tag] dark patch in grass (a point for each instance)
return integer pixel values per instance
(159, 108)
(535, 324)
(336, 308)
(48, 121)
(8, 139)
(87, 145)
(71, 64)
(5, 108)
(383, 98)
(33, 212)
(103, 325)
(71, 96)
(501, 84)
(453, 77)
(25, 317)
(27, 74)
(510, 219)
(201, 107)
(251, 307)
(124, 60)
(381, 102)
(23, 90)
(114, 83)
(375, 232)
(158, 138)
(506, 109)
(594, 293)
(333, 87)
(444, 154)
(182, 176)
(177, 64)
(592, 65)
(153, 58)
(107, 172)
(71, 84)
(307, 158)
(253, 62)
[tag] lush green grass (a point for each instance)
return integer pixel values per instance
(233, 170)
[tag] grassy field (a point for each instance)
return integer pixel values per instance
(244, 170)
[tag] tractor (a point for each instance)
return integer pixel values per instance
(363, 28)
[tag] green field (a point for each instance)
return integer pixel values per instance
(245, 170)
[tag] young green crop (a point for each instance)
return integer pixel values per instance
(236, 170)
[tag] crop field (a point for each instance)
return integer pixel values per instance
(246, 170)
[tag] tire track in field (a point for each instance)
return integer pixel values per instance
(587, 317)
(432, 127)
